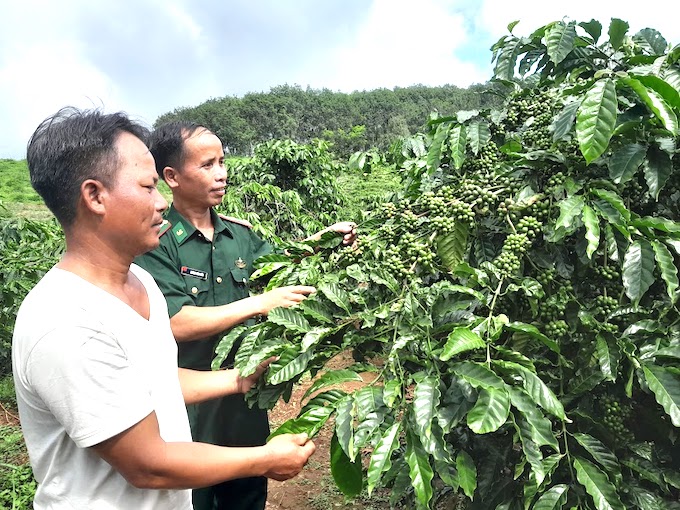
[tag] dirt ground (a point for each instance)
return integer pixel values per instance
(314, 487)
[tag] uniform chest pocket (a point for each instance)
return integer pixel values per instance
(196, 287)
(240, 276)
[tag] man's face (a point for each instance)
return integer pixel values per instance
(202, 178)
(134, 205)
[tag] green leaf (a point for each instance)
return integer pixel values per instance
(336, 294)
(507, 58)
(381, 456)
(657, 169)
(310, 422)
(656, 103)
(666, 265)
(312, 307)
(651, 40)
(420, 469)
(614, 200)
(452, 247)
(597, 485)
(331, 378)
(596, 119)
(467, 473)
(477, 374)
(625, 162)
(638, 270)
(593, 27)
(284, 369)
(426, 396)
(617, 31)
(669, 93)
(313, 337)
(490, 412)
(434, 154)
(564, 121)
(345, 413)
(600, 453)
(461, 339)
(533, 332)
(458, 142)
(657, 223)
(478, 135)
(666, 389)
(570, 208)
(290, 319)
(560, 40)
(592, 223)
(608, 355)
(347, 474)
(540, 428)
(225, 346)
(536, 389)
(552, 499)
(263, 352)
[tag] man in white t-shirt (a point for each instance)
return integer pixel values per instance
(101, 399)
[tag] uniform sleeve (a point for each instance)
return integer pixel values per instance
(87, 382)
(164, 267)
(259, 246)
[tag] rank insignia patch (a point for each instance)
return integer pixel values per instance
(240, 263)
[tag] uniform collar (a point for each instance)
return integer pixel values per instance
(182, 229)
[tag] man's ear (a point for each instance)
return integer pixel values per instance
(93, 195)
(170, 177)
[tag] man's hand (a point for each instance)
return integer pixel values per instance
(348, 230)
(243, 384)
(289, 453)
(283, 296)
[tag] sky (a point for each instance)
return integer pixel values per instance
(149, 57)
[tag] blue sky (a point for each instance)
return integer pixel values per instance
(147, 57)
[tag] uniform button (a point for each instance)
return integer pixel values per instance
(218, 279)
(194, 290)
(213, 247)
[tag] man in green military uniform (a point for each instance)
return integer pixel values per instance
(202, 266)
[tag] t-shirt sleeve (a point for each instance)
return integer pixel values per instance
(88, 383)
(164, 267)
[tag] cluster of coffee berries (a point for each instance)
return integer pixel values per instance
(604, 305)
(556, 328)
(615, 415)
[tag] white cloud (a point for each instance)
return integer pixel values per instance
(402, 43)
(658, 14)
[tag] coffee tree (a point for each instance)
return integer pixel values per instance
(517, 305)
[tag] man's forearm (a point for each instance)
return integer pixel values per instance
(199, 386)
(195, 465)
(194, 322)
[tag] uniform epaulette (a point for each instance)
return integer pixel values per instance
(238, 221)
(165, 226)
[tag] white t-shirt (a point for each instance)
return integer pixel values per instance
(87, 367)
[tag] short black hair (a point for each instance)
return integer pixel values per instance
(70, 147)
(166, 143)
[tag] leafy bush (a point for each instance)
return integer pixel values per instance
(518, 302)
(28, 249)
(286, 188)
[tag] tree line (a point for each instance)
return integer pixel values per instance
(351, 121)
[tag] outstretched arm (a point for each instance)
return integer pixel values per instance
(194, 322)
(146, 461)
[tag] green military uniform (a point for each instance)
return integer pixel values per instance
(192, 270)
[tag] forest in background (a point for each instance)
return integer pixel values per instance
(351, 121)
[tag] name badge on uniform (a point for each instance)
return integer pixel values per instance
(194, 273)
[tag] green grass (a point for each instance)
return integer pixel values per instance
(15, 183)
(362, 189)
(17, 485)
